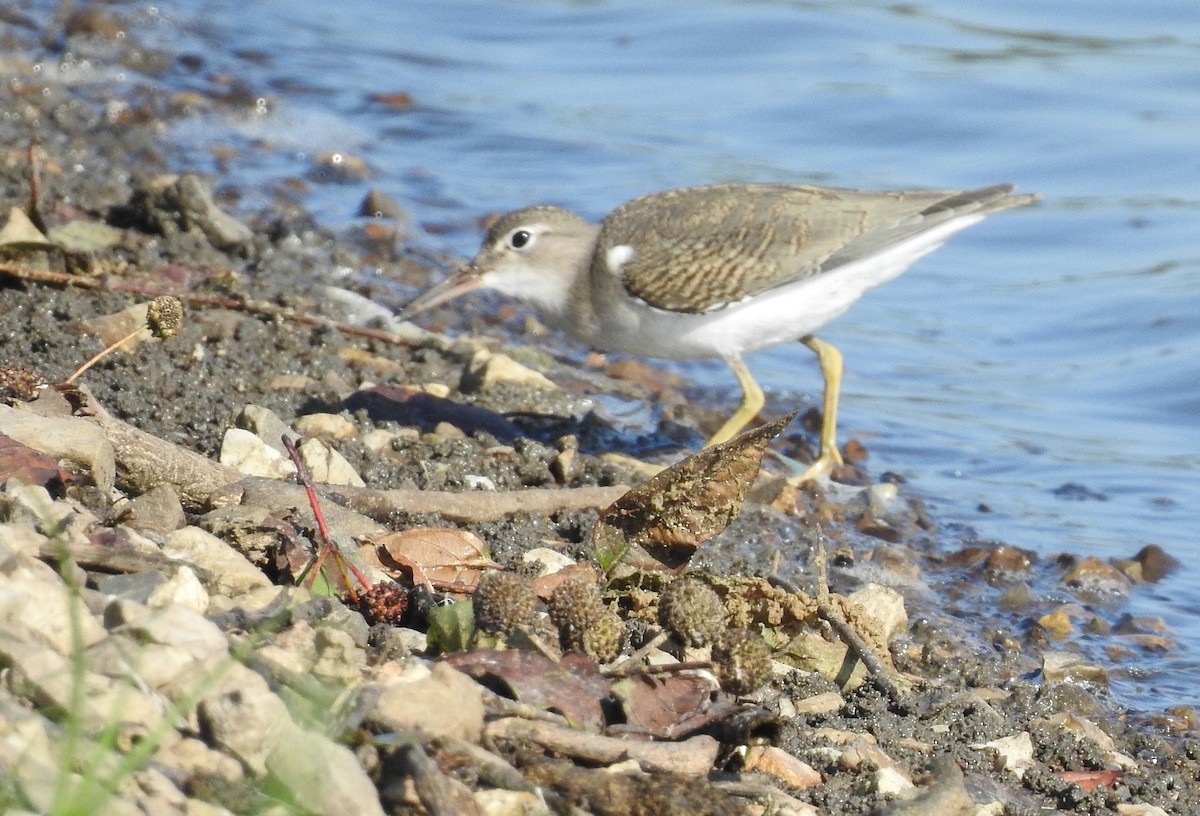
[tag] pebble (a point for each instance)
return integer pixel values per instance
(487, 369)
(325, 426)
(327, 466)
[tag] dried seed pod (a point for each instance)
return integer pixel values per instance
(384, 603)
(691, 609)
(574, 604)
(603, 637)
(18, 384)
(741, 660)
(504, 601)
(164, 316)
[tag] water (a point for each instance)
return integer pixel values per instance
(1050, 346)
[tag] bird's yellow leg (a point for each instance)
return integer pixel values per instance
(831, 369)
(752, 402)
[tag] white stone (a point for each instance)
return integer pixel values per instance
(327, 465)
(246, 453)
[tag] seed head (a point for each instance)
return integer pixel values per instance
(691, 609)
(504, 601)
(741, 660)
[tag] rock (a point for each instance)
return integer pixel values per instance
(132, 586)
(327, 465)
(1092, 575)
(861, 750)
(75, 439)
(62, 520)
(497, 802)
(487, 369)
(182, 589)
(35, 606)
(172, 204)
(783, 766)
(250, 455)
(266, 425)
(157, 511)
(226, 570)
(436, 701)
(1058, 667)
(1140, 810)
(248, 721)
(890, 782)
(339, 167)
(1013, 754)
(826, 703)
(45, 678)
(886, 606)
(550, 561)
(378, 204)
(325, 426)
(1057, 624)
(943, 794)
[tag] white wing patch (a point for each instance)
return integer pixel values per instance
(617, 257)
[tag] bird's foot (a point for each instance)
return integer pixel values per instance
(820, 470)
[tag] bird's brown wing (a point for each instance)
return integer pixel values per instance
(700, 248)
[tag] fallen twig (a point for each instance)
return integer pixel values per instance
(694, 756)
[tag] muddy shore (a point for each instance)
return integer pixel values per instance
(1006, 712)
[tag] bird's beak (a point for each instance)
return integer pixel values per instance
(461, 281)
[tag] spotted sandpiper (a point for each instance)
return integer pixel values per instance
(718, 271)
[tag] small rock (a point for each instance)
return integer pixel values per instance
(783, 766)
(157, 511)
(1057, 624)
(378, 204)
(171, 204)
(183, 589)
(1013, 754)
(325, 426)
(339, 167)
(1058, 667)
(131, 586)
(490, 368)
(497, 802)
(266, 425)
(550, 561)
(1091, 574)
(826, 703)
(890, 782)
(226, 570)
(943, 794)
(246, 453)
(886, 606)
(327, 465)
(437, 700)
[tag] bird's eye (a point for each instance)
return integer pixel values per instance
(519, 238)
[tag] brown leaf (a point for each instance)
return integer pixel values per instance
(29, 465)
(545, 585)
(442, 557)
(573, 687)
(670, 515)
(657, 705)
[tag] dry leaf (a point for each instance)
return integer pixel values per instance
(670, 515)
(573, 687)
(439, 557)
(29, 466)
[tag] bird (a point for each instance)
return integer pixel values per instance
(718, 271)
